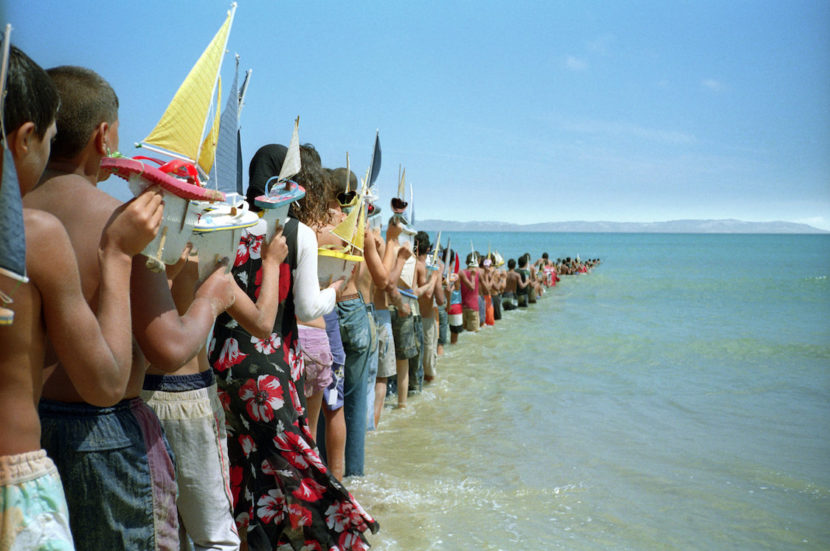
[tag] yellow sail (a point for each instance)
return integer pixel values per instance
(181, 126)
(361, 226)
(345, 230)
(208, 152)
(401, 185)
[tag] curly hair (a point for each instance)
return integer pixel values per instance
(311, 210)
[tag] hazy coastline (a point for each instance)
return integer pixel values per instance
(669, 226)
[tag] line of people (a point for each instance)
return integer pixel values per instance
(145, 410)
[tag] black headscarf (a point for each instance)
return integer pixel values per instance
(265, 164)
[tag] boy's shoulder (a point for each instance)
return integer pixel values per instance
(66, 193)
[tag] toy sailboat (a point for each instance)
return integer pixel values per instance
(179, 134)
(283, 191)
(13, 242)
(448, 259)
(399, 206)
(336, 262)
(432, 259)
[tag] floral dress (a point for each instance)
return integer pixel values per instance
(284, 497)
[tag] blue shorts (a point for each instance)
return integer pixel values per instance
(118, 473)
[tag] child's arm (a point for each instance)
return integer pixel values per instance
(258, 318)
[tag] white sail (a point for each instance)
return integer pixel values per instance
(291, 165)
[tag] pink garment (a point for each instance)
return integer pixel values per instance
(314, 343)
(469, 297)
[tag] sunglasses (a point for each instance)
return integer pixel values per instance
(398, 204)
(346, 198)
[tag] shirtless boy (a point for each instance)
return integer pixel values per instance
(429, 280)
(95, 353)
(115, 462)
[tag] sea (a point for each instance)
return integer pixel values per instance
(676, 397)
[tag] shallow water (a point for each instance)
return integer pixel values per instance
(677, 397)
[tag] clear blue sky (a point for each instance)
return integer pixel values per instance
(512, 111)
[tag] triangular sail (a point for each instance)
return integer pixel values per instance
(352, 228)
(182, 125)
(208, 149)
(12, 234)
(345, 230)
(291, 165)
(435, 249)
(401, 185)
(226, 147)
(374, 166)
(359, 230)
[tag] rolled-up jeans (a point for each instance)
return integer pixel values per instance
(356, 333)
(372, 374)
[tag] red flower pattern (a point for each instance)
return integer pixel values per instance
(248, 248)
(298, 515)
(262, 397)
(270, 507)
(309, 490)
(247, 444)
(229, 356)
(268, 345)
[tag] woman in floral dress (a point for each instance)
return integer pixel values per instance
(284, 496)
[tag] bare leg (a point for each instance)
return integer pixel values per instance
(402, 368)
(315, 401)
(380, 396)
(453, 337)
(336, 441)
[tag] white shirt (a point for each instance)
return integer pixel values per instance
(309, 301)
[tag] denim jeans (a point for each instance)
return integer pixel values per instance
(117, 471)
(356, 333)
(416, 364)
(443, 325)
(373, 369)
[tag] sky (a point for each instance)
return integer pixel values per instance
(515, 111)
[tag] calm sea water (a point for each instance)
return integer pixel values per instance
(678, 397)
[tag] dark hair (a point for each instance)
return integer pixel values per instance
(314, 155)
(30, 95)
(545, 256)
(511, 264)
(421, 242)
(339, 184)
(87, 100)
(522, 261)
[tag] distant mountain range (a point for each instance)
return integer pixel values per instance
(671, 226)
